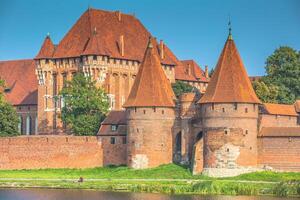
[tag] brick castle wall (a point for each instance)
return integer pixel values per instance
(114, 154)
(267, 120)
(230, 135)
(282, 153)
(149, 136)
(36, 152)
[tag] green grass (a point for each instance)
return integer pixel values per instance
(171, 171)
(264, 183)
(268, 176)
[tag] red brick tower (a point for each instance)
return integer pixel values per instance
(229, 110)
(150, 114)
(46, 89)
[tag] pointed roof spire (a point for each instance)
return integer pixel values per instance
(151, 87)
(92, 47)
(230, 82)
(229, 29)
(47, 48)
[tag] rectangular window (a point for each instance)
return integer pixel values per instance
(114, 127)
(112, 140)
(124, 140)
(54, 84)
(64, 79)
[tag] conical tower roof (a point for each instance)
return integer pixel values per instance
(47, 49)
(151, 87)
(230, 82)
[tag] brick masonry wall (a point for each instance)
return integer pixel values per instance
(150, 136)
(114, 154)
(277, 121)
(37, 152)
(198, 157)
(282, 153)
(230, 135)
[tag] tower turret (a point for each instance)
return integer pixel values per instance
(229, 110)
(44, 69)
(150, 114)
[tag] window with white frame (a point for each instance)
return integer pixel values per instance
(114, 127)
(28, 124)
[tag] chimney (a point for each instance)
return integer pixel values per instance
(119, 15)
(122, 45)
(161, 48)
(206, 71)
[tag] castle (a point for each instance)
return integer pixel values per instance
(223, 130)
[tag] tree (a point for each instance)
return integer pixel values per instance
(283, 72)
(266, 93)
(85, 105)
(180, 87)
(8, 116)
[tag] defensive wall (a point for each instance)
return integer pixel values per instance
(37, 152)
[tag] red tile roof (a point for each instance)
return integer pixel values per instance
(279, 132)
(47, 49)
(280, 109)
(109, 28)
(115, 117)
(151, 86)
(297, 105)
(92, 46)
(190, 70)
(20, 78)
(230, 82)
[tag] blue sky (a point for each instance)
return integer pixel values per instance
(193, 29)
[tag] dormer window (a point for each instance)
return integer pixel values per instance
(114, 127)
(7, 90)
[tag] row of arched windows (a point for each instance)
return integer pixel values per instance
(27, 125)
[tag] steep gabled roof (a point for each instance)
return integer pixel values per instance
(190, 70)
(110, 26)
(92, 46)
(280, 109)
(151, 86)
(20, 80)
(117, 117)
(47, 49)
(230, 82)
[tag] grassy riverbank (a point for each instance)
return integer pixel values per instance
(165, 179)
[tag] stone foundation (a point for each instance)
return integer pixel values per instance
(225, 172)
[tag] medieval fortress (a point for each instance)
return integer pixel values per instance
(222, 130)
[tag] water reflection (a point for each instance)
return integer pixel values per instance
(56, 194)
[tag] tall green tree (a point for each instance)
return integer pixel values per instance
(283, 72)
(85, 105)
(180, 87)
(266, 93)
(8, 116)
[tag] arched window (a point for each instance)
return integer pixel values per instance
(28, 125)
(199, 136)
(178, 143)
(36, 125)
(20, 125)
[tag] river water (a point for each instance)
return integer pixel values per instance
(60, 194)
